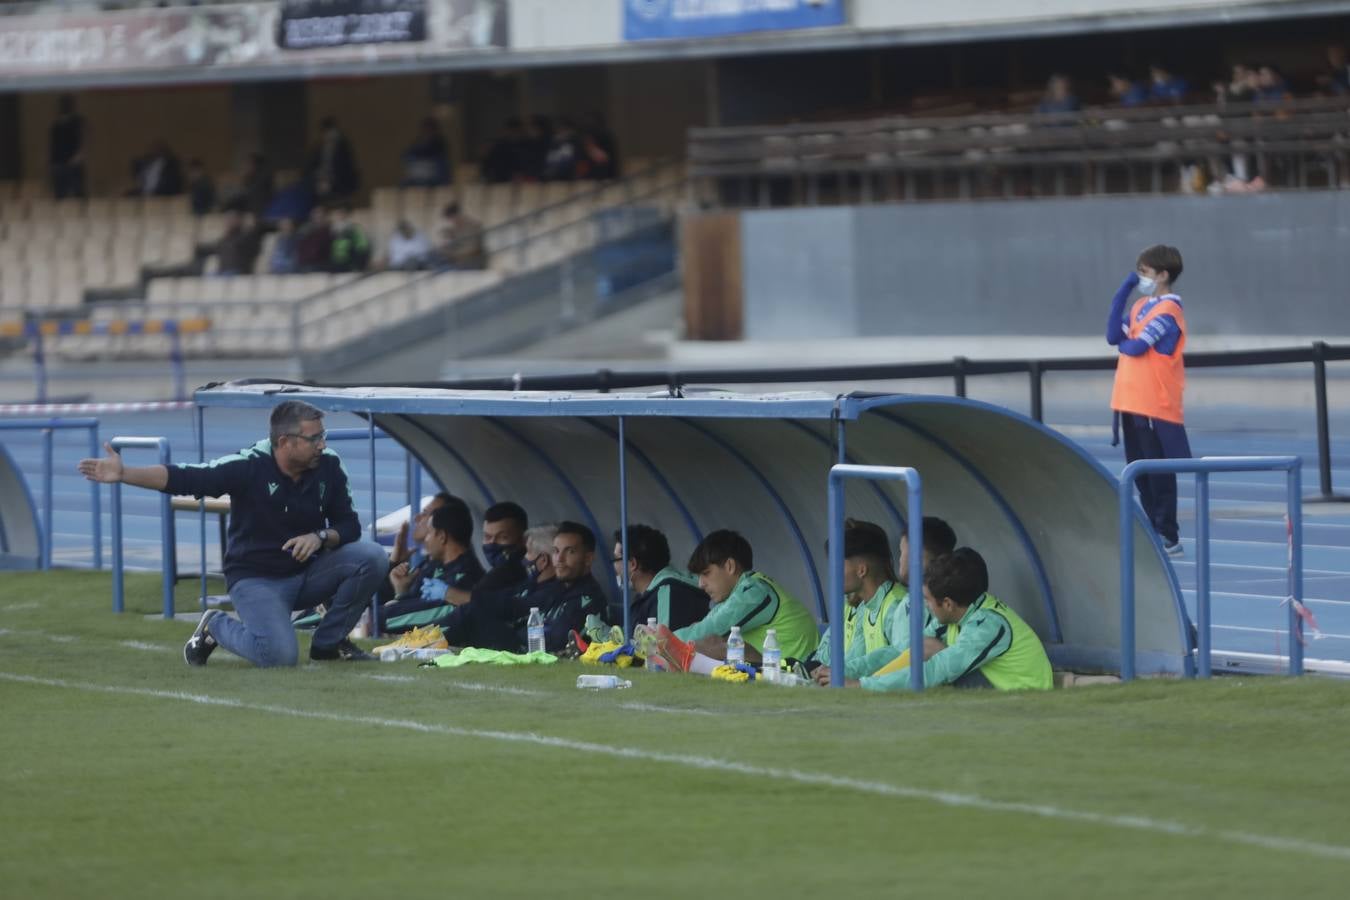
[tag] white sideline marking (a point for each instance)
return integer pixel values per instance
(882, 789)
(466, 685)
(16, 607)
(142, 645)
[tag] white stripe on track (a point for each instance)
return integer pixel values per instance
(708, 763)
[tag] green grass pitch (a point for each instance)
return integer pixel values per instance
(123, 773)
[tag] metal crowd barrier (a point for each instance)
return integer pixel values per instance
(48, 427)
(1202, 468)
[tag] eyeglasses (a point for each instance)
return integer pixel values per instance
(312, 438)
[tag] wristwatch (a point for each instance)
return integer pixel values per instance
(322, 535)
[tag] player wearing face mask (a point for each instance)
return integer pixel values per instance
(1150, 380)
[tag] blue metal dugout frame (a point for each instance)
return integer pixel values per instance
(1202, 468)
(839, 473)
(161, 445)
(48, 427)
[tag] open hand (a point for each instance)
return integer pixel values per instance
(302, 547)
(106, 470)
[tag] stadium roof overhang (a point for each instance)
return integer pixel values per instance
(1038, 508)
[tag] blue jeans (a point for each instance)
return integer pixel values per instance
(343, 579)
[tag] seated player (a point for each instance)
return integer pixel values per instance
(871, 593)
(504, 527)
(724, 563)
(938, 540)
(449, 563)
(980, 641)
(657, 590)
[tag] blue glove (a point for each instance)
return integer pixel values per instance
(1115, 319)
(1131, 281)
(433, 590)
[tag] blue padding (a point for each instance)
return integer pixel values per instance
(813, 577)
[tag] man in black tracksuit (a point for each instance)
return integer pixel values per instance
(294, 541)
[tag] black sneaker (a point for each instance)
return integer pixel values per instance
(344, 650)
(198, 647)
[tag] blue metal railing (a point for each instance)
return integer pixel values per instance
(1202, 469)
(165, 524)
(840, 473)
(48, 427)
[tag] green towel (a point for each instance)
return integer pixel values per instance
(495, 657)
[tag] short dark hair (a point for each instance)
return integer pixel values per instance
(960, 575)
(443, 497)
(507, 510)
(938, 536)
(1163, 259)
(720, 546)
(587, 536)
(868, 541)
(647, 546)
(287, 416)
(452, 517)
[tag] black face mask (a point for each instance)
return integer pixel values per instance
(495, 554)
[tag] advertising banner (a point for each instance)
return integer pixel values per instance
(254, 34)
(645, 20)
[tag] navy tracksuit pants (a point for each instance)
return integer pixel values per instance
(1147, 438)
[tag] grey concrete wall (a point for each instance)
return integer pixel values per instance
(1256, 264)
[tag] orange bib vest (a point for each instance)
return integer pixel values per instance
(1152, 383)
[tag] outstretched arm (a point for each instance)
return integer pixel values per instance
(108, 469)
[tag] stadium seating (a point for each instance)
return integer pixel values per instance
(53, 252)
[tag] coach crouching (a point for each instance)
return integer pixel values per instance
(294, 541)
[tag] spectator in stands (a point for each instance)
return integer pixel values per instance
(564, 150)
(980, 641)
(65, 150)
(656, 589)
(426, 161)
(256, 184)
(1336, 78)
(724, 564)
(1239, 88)
(507, 158)
(1271, 89)
(157, 173)
(314, 246)
(1125, 92)
(599, 159)
(461, 241)
(332, 165)
(201, 189)
(1058, 97)
(408, 249)
(295, 541)
(285, 259)
(238, 248)
(1164, 87)
(351, 245)
(536, 147)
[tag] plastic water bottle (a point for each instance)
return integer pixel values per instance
(773, 656)
(651, 624)
(735, 646)
(534, 631)
(603, 682)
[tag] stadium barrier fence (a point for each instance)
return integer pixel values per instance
(49, 427)
(1202, 468)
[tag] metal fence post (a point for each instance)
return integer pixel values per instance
(48, 503)
(1203, 615)
(959, 376)
(1037, 401)
(1323, 419)
(165, 530)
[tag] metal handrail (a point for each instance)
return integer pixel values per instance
(1202, 468)
(47, 427)
(166, 535)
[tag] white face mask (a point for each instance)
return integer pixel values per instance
(1146, 285)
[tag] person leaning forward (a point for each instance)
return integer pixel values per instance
(294, 541)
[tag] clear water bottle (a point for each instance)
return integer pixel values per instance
(651, 624)
(534, 631)
(773, 656)
(735, 646)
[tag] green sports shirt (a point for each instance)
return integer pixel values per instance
(756, 604)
